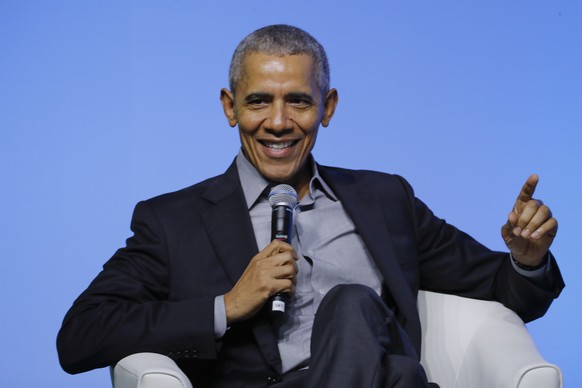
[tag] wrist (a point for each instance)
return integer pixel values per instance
(526, 267)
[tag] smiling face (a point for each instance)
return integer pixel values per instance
(278, 107)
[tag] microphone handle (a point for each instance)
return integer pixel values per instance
(281, 229)
(278, 303)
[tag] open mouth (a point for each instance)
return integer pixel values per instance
(279, 146)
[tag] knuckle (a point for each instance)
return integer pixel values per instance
(552, 223)
(546, 210)
(533, 203)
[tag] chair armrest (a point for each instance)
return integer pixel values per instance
(479, 344)
(148, 370)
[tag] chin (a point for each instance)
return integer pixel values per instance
(278, 177)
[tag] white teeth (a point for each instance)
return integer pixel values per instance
(279, 146)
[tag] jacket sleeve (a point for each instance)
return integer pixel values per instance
(453, 262)
(128, 307)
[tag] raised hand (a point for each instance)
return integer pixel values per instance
(271, 271)
(530, 227)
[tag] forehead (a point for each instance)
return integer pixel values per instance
(260, 69)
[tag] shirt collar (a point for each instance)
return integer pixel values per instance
(317, 183)
(255, 186)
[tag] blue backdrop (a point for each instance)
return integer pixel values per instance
(104, 103)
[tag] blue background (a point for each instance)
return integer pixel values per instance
(105, 103)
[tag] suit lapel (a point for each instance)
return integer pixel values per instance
(231, 232)
(368, 215)
(229, 225)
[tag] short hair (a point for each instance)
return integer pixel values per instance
(280, 39)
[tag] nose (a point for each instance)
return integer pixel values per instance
(279, 120)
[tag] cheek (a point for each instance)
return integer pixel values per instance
(249, 122)
(309, 145)
(249, 146)
(309, 122)
(310, 133)
(246, 140)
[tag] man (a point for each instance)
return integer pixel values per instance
(193, 280)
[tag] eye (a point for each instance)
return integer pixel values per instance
(257, 101)
(300, 102)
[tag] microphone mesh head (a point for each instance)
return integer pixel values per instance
(283, 195)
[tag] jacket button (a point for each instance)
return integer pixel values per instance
(190, 353)
(273, 380)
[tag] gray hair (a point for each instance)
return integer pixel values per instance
(280, 39)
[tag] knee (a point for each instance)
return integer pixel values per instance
(351, 296)
(351, 291)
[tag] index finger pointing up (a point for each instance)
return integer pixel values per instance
(528, 188)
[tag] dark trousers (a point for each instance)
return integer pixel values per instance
(357, 342)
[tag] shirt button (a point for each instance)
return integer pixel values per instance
(321, 292)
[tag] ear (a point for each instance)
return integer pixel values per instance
(330, 103)
(227, 100)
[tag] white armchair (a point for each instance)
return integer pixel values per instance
(465, 343)
(479, 344)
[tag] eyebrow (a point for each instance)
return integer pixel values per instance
(299, 96)
(258, 96)
(261, 96)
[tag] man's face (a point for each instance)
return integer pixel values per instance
(278, 107)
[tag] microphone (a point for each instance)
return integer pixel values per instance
(283, 199)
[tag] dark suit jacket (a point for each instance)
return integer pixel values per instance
(157, 294)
